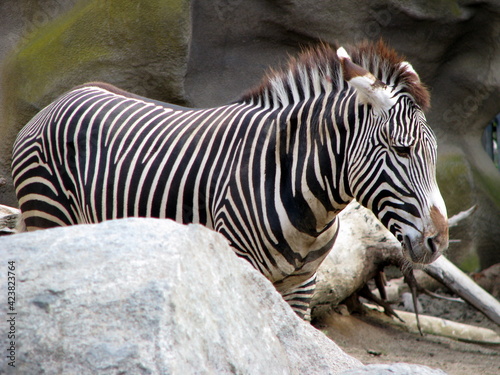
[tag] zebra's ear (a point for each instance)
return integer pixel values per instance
(406, 66)
(370, 89)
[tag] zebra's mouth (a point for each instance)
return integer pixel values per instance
(416, 255)
(409, 249)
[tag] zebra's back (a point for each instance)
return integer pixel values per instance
(116, 156)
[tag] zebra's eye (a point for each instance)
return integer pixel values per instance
(403, 151)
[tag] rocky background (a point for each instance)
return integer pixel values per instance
(206, 53)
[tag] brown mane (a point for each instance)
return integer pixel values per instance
(385, 63)
(322, 61)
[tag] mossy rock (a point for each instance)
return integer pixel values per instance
(464, 185)
(487, 221)
(129, 44)
(142, 47)
(456, 183)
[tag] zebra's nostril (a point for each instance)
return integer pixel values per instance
(431, 244)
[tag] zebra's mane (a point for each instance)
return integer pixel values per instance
(318, 70)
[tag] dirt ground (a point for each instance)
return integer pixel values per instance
(372, 341)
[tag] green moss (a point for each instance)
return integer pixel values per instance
(470, 263)
(458, 179)
(455, 182)
(489, 184)
(92, 35)
(464, 184)
(438, 8)
(47, 52)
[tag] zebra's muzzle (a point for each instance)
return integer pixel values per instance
(421, 253)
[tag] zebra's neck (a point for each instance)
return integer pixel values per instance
(310, 159)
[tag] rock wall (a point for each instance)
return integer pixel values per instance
(206, 53)
(55, 45)
(147, 296)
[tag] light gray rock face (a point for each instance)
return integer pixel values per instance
(147, 296)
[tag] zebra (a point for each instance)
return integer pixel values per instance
(269, 171)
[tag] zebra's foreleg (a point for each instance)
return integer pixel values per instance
(299, 295)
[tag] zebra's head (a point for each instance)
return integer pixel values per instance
(393, 169)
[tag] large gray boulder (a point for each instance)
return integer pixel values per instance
(148, 296)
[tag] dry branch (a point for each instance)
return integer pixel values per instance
(439, 327)
(364, 247)
(458, 282)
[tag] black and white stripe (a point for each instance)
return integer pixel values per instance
(270, 171)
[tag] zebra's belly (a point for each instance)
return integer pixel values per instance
(295, 258)
(308, 253)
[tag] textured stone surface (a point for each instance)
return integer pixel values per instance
(148, 47)
(54, 45)
(146, 296)
(11, 220)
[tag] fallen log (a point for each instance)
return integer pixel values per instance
(437, 326)
(455, 219)
(459, 283)
(364, 248)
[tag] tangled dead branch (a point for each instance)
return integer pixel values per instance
(364, 248)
